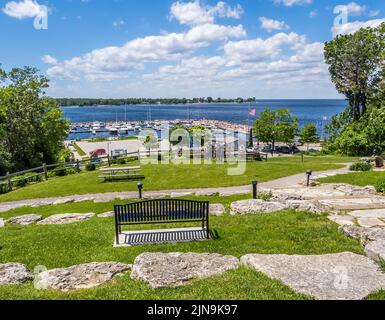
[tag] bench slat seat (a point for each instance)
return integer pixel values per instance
(162, 211)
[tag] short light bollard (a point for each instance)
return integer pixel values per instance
(255, 189)
(309, 174)
(140, 188)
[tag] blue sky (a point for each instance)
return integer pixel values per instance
(161, 48)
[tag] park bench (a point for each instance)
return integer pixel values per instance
(162, 211)
(119, 173)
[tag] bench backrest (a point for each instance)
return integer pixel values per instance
(162, 210)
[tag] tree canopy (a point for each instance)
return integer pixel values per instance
(276, 126)
(32, 129)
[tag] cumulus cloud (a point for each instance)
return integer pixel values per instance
(112, 62)
(354, 9)
(351, 27)
(194, 13)
(24, 9)
(271, 25)
(49, 59)
(291, 3)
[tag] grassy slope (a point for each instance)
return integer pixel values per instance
(62, 246)
(79, 150)
(163, 177)
(357, 178)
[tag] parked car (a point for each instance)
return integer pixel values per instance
(97, 153)
(287, 149)
(96, 161)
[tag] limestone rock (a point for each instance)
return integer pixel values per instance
(2, 223)
(107, 214)
(78, 277)
(63, 201)
(180, 194)
(66, 218)
(342, 220)
(176, 269)
(311, 206)
(369, 222)
(217, 209)
(14, 273)
(374, 213)
(342, 276)
(376, 250)
(366, 235)
(206, 194)
(25, 220)
(355, 191)
(256, 206)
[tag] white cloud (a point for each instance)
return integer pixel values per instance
(374, 13)
(270, 24)
(354, 9)
(113, 62)
(351, 27)
(118, 23)
(291, 3)
(24, 9)
(313, 13)
(193, 13)
(49, 59)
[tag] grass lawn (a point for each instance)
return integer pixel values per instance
(286, 232)
(356, 178)
(171, 176)
(79, 150)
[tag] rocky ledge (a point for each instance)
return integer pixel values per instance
(176, 269)
(83, 276)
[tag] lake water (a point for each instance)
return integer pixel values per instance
(307, 111)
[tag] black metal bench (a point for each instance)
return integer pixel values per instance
(162, 211)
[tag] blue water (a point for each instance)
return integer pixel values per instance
(307, 111)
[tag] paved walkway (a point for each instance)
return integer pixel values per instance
(287, 182)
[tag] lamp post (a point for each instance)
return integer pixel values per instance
(255, 189)
(140, 188)
(309, 174)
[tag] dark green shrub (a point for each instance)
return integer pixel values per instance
(121, 161)
(361, 166)
(60, 171)
(90, 167)
(380, 185)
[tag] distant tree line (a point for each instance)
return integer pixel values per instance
(82, 102)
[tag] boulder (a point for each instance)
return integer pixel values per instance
(177, 269)
(83, 276)
(107, 214)
(180, 194)
(366, 235)
(376, 250)
(206, 194)
(14, 273)
(311, 206)
(2, 223)
(217, 209)
(25, 220)
(374, 213)
(342, 276)
(66, 218)
(256, 206)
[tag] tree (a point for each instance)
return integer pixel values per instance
(32, 128)
(276, 126)
(309, 134)
(356, 66)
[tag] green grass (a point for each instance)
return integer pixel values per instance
(356, 178)
(172, 176)
(286, 232)
(79, 150)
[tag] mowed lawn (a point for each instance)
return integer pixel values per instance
(285, 232)
(356, 178)
(172, 176)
